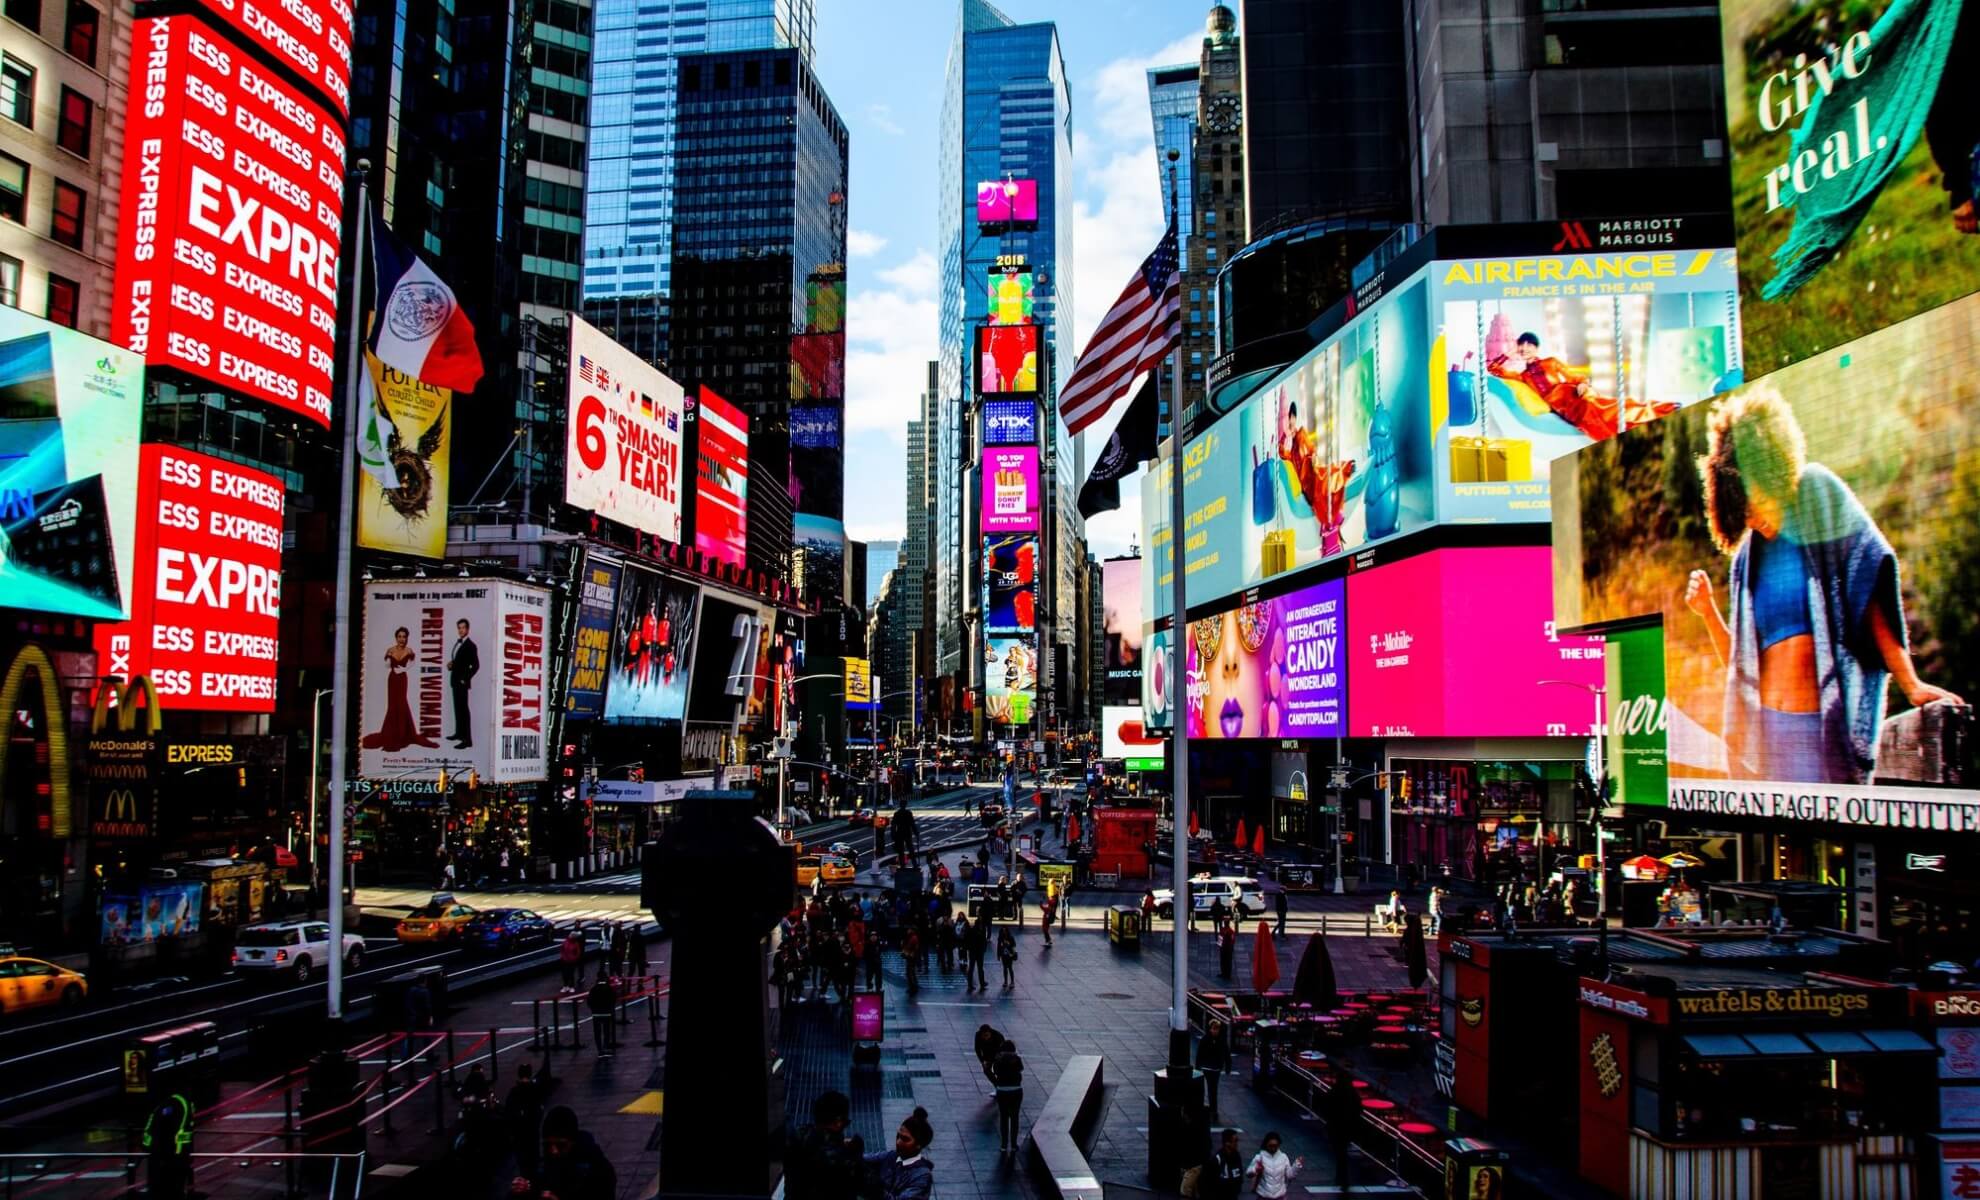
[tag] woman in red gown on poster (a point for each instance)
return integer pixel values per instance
(398, 730)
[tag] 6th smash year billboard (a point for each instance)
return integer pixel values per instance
(1808, 543)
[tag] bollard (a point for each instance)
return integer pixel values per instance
(653, 1037)
(289, 1141)
(385, 1089)
(439, 1103)
(494, 1060)
(536, 1024)
(450, 1056)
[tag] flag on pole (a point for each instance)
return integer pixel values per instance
(374, 436)
(419, 327)
(1133, 443)
(1144, 324)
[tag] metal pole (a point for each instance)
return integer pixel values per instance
(1601, 842)
(1178, 717)
(315, 766)
(340, 673)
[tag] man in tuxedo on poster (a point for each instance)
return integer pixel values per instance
(462, 666)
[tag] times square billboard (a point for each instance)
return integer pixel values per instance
(233, 191)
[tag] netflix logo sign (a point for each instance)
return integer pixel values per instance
(206, 601)
(233, 201)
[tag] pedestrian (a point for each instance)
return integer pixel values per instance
(988, 1041)
(1226, 949)
(1271, 1171)
(640, 966)
(447, 875)
(1213, 1058)
(1282, 905)
(904, 1173)
(1007, 955)
(569, 955)
(168, 1142)
(1343, 1117)
(601, 1000)
(824, 1163)
(945, 944)
(1046, 911)
(910, 952)
(969, 802)
(572, 1166)
(524, 1111)
(1436, 903)
(1007, 1076)
(976, 947)
(616, 951)
(1147, 911)
(1222, 1178)
(504, 864)
(869, 956)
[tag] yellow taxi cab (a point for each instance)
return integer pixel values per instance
(31, 983)
(837, 871)
(441, 919)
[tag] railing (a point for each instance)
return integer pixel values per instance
(105, 1175)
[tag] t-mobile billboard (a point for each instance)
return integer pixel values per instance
(233, 202)
(206, 600)
(1461, 643)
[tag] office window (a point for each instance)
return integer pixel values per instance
(16, 90)
(13, 188)
(10, 281)
(66, 226)
(64, 299)
(27, 12)
(80, 39)
(78, 118)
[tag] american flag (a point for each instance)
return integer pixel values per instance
(1144, 324)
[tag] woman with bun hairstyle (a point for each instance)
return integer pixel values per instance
(904, 1173)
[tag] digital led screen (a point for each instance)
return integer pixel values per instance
(1425, 630)
(1852, 139)
(1271, 669)
(1007, 359)
(822, 542)
(233, 186)
(1010, 422)
(1537, 357)
(1010, 584)
(1807, 541)
(721, 493)
(206, 598)
(622, 455)
(818, 367)
(652, 645)
(591, 647)
(1010, 299)
(1010, 673)
(1006, 202)
(725, 656)
(1010, 489)
(69, 415)
(1122, 735)
(311, 36)
(1120, 580)
(817, 427)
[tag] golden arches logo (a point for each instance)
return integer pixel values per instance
(33, 658)
(120, 705)
(120, 807)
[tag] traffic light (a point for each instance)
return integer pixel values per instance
(1402, 786)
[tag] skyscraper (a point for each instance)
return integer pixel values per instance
(629, 207)
(1006, 115)
(1172, 102)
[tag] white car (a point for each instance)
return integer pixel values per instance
(299, 948)
(1240, 893)
(846, 851)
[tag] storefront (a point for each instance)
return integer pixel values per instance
(1489, 810)
(1751, 1083)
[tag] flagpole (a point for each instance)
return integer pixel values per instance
(340, 671)
(1178, 680)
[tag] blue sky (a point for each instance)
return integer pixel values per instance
(882, 63)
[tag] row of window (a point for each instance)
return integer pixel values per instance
(65, 225)
(75, 120)
(80, 27)
(63, 300)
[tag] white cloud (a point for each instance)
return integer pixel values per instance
(861, 243)
(891, 334)
(1120, 89)
(881, 117)
(1117, 220)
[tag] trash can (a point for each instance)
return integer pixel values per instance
(183, 1059)
(434, 980)
(1124, 926)
(1471, 1164)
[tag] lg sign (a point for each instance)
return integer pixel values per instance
(206, 601)
(233, 193)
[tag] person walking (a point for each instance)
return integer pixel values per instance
(640, 965)
(1007, 955)
(616, 951)
(1271, 1172)
(1282, 905)
(1007, 1077)
(1343, 1116)
(524, 1110)
(601, 1000)
(1436, 905)
(1226, 949)
(572, 1166)
(1213, 1058)
(1046, 911)
(869, 956)
(976, 947)
(824, 1163)
(1218, 912)
(945, 944)
(1222, 1177)
(904, 1173)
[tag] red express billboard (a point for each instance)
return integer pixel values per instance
(232, 201)
(206, 601)
(312, 36)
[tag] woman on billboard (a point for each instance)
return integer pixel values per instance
(1229, 651)
(1816, 628)
(398, 730)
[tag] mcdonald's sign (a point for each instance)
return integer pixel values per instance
(123, 760)
(32, 659)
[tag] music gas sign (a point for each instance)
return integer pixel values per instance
(232, 201)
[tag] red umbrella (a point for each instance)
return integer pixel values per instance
(1193, 829)
(1241, 839)
(1072, 831)
(1258, 842)
(1264, 960)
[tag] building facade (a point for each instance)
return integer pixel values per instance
(62, 72)
(1172, 105)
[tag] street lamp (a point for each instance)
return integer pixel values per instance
(783, 730)
(315, 762)
(1599, 776)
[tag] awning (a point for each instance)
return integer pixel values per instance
(1899, 1041)
(1839, 1041)
(1718, 1045)
(1779, 1044)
